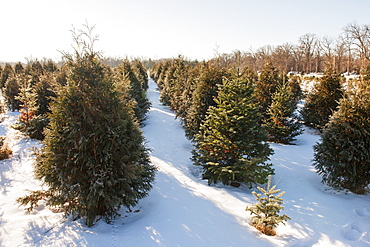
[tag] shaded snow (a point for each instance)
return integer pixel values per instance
(182, 210)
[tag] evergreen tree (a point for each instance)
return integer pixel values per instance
(5, 74)
(28, 100)
(44, 89)
(266, 212)
(323, 100)
(231, 145)
(29, 122)
(128, 80)
(11, 91)
(168, 85)
(342, 157)
(210, 76)
(93, 157)
(18, 68)
(173, 84)
(185, 91)
(282, 124)
(266, 86)
(294, 84)
(141, 74)
(49, 66)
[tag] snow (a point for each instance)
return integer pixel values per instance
(182, 209)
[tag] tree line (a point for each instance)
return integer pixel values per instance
(347, 53)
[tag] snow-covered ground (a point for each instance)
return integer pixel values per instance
(182, 210)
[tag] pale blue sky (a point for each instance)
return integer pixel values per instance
(167, 28)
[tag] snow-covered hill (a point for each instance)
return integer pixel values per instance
(182, 210)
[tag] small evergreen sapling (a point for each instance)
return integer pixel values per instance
(266, 211)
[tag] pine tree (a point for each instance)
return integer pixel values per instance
(294, 84)
(18, 68)
(28, 100)
(93, 157)
(342, 157)
(206, 83)
(11, 91)
(282, 124)
(128, 80)
(231, 145)
(266, 86)
(141, 74)
(323, 100)
(266, 212)
(5, 74)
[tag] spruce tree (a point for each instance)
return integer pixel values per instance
(294, 84)
(141, 73)
(231, 145)
(127, 79)
(5, 74)
(323, 100)
(266, 86)
(266, 211)
(342, 157)
(11, 91)
(206, 85)
(18, 68)
(282, 124)
(93, 158)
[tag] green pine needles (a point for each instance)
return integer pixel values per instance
(231, 145)
(93, 159)
(342, 157)
(266, 211)
(282, 124)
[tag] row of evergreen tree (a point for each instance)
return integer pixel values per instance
(31, 88)
(231, 114)
(93, 157)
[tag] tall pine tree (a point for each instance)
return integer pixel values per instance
(93, 157)
(206, 83)
(282, 124)
(266, 86)
(342, 157)
(323, 100)
(126, 78)
(231, 145)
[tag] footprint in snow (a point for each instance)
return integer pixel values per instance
(353, 232)
(363, 211)
(114, 234)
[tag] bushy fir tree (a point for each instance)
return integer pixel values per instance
(18, 68)
(342, 157)
(6, 72)
(323, 100)
(93, 158)
(266, 86)
(266, 211)
(231, 145)
(11, 91)
(294, 84)
(206, 86)
(128, 79)
(282, 123)
(141, 73)
(27, 98)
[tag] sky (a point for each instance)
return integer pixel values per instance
(156, 29)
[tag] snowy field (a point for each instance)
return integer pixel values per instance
(182, 210)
